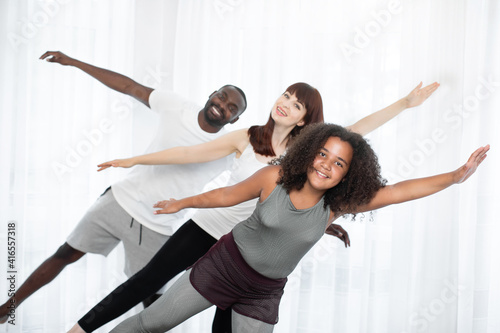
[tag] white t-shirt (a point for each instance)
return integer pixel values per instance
(219, 221)
(147, 184)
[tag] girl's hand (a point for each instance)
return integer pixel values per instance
(339, 232)
(124, 163)
(466, 170)
(168, 206)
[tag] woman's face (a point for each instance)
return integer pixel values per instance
(288, 111)
(330, 165)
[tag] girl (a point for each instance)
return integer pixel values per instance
(299, 105)
(328, 172)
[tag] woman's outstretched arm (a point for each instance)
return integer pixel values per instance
(373, 121)
(233, 142)
(422, 187)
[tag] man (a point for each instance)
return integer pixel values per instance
(124, 211)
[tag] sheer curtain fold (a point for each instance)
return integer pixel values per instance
(57, 124)
(425, 266)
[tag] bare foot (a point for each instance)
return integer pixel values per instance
(6, 310)
(76, 329)
(3, 319)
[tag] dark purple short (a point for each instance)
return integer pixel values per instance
(224, 278)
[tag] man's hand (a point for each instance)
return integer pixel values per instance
(115, 81)
(339, 232)
(56, 56)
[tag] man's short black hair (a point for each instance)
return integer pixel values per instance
(241, 93)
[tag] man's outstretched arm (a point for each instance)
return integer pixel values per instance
(111, 79)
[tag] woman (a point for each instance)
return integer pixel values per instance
(299, 105)
(328, 172)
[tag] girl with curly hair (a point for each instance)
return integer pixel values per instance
(300, 105)
(328, 172)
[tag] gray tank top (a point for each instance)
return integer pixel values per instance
(277, 235)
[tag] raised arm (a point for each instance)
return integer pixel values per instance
(416, 97)
(422, 187)
(260, 184)
(233, 142)
(111, 79)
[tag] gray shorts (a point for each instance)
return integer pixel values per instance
(105, 224)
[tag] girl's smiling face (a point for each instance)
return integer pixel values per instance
(330, 165)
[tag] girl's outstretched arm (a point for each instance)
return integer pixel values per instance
(373, 121)
(422, 187)
(233, 142)
(260, 184)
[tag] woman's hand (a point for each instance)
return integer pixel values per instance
(418, 95)
(168, 206)
(339, 232)
(124, 163)
(466, 170)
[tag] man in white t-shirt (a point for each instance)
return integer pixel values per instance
(124, 211)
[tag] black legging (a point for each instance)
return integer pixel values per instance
(181, 250)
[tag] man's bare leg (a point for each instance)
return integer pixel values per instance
(45, 273)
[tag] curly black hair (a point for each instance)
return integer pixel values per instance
(362, 180)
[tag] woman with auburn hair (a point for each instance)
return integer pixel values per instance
(254, 148)
(327, 172)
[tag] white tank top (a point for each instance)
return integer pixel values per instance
(219, 221)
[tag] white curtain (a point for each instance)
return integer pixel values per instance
(425, 266)
(56, 125)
